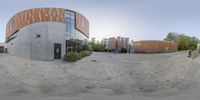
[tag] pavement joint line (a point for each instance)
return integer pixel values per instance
(33, 86)
(88, 79)
(111, 79)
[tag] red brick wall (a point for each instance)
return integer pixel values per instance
(152, 46)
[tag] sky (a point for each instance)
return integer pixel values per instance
(136, 19)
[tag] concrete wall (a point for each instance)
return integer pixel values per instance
(3, 44)
(198, 47)
(194, 54)
(28, 45)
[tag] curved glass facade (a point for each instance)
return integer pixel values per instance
(74, 38)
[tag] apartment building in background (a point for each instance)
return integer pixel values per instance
(106, 43)
(112, 44)
(122, 42)
(93, 40)
(118, 43)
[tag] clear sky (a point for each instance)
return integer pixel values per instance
(137, 19)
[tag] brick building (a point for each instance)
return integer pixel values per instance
(112, 43)
(122, 42)
(118, 43)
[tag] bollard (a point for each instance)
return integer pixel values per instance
(189, 54)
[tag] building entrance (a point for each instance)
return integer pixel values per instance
(57, 51)
(1, 49)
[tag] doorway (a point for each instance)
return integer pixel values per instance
(1, 49)
(57, 51)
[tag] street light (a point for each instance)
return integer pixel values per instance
(170, 37)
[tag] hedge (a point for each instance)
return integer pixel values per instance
(73, 57)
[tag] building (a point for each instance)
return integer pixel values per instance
(154, 46)
(106, 43)
(112, 44)
(122, 42)
(93, 40)
(118, 44)
(46, 33)
(3, 48)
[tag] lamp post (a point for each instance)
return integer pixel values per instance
(132, 46)
(170, 36)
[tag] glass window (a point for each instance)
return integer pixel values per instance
(72, 16)
(70, 22)
(67, 15)
(74, 38)
(68, 27)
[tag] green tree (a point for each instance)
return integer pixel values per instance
(172, 37)
(99, 47)
(87, 46)
(124, 50)
(184, 42)
(187, 42)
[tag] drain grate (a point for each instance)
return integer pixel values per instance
(94, 60)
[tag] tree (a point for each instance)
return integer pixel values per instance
(123, 50)
(87, 46)
(184, 42)
(172, 37)
(187, 42)
(99, 46)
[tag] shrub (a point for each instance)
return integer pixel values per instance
(193, 48)
(72, 57)
(123, 50)
(79, 56)
(86, 53)
(106, 50)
